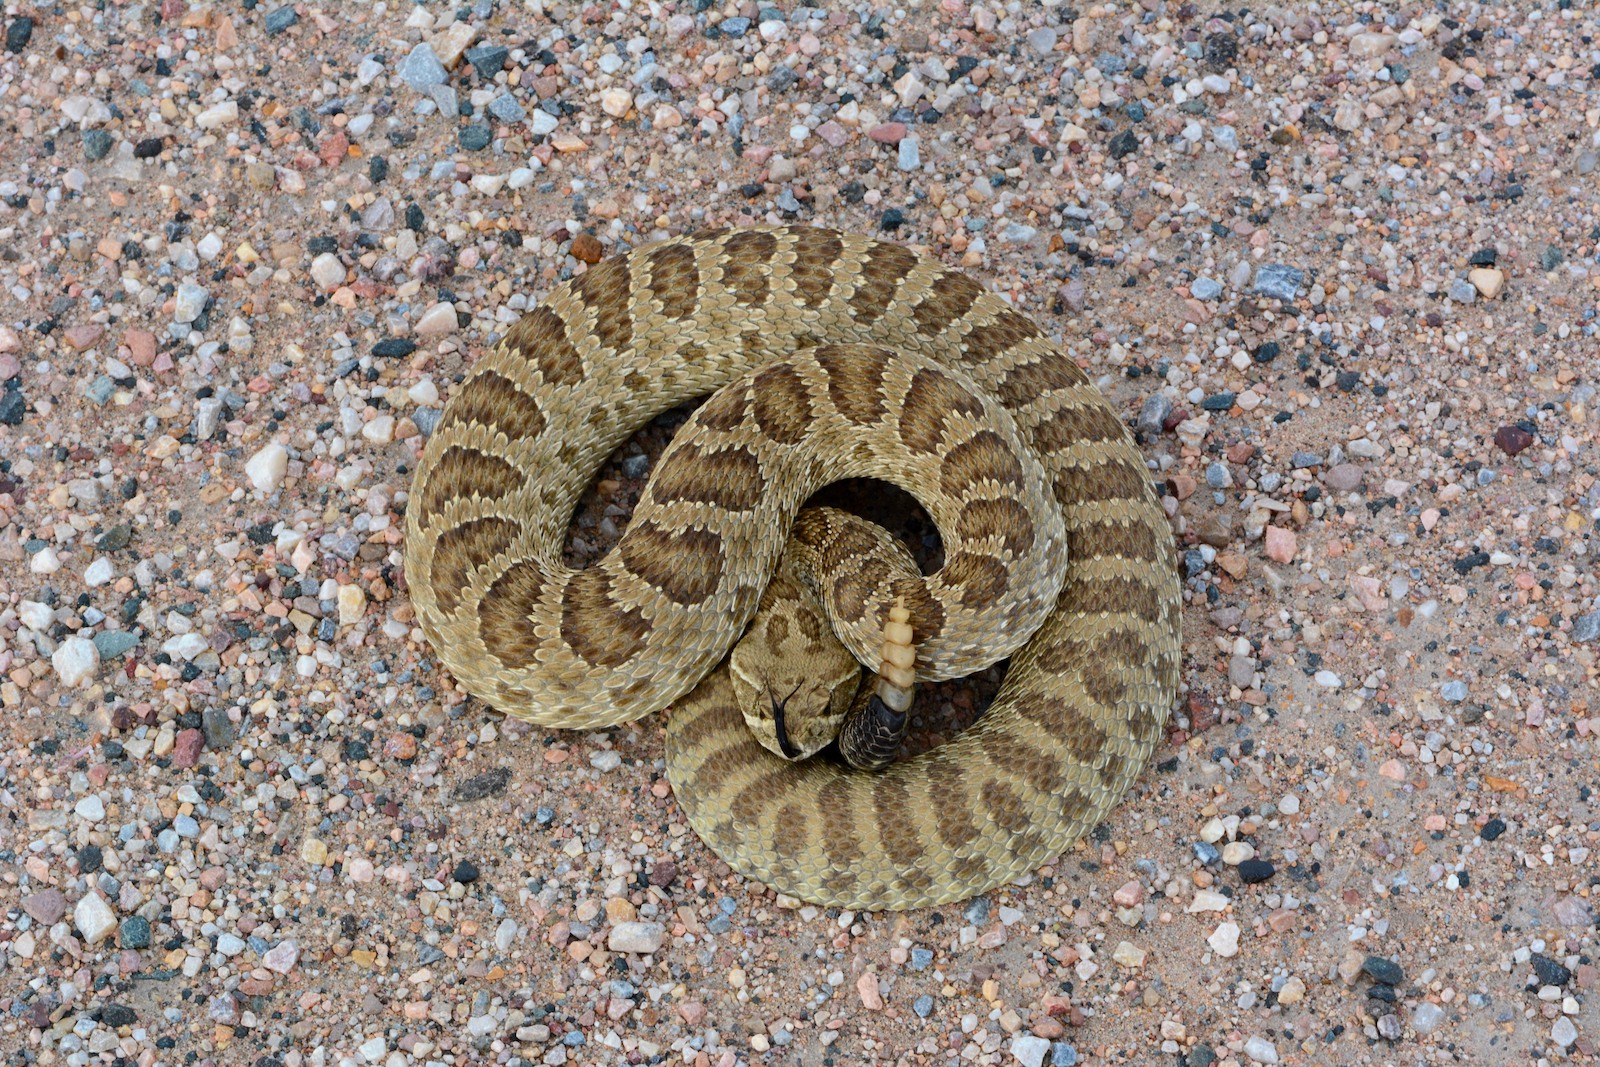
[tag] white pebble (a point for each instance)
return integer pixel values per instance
(94, 918)
(327, 271)
(222, 114)
(437, 321)
(636, 937)
(98, 573)
(1563, 1032)
(267, 467)
(1029, 1050)
(45, 561)
(1327, 679)
(75, 660)
(1224, 940)
(1261, 1050)
(1289, 804)
(91, 808)
(34, 615)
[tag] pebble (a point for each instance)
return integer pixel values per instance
(1586, 627)
(94, 918)
(267, 467)
(1292, 991)
(190, 303)
(639, 937)
(438, 321)
(327, 271)
(1224, 940)
(1563, 1033)
(75, 661)
(1203, 288)
(1260, 1050)
(1279, 281)
(421, 69)
(1029, 1050)
(1381, 969)
(1427, 1018)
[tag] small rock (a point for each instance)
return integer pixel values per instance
(18, 34)
(1224, 940)
(1563, 1032)
(1279, 281)
(466, 872)
(586, 248)
(475, 137)
(1512, 439)
(1344, 477)
(1390, 1027)
(1281, 544)
(1042, 40)
(134, 932)
(1586, 627)
(1462, 291)
(1487, 280)
(281, 18)
(97, 144)
(94, 918)
(327, 271)
(1153, 414)
(1383, 970)
(640, 937)
(189, 303)
(1549, 971)
(1029, 1050)
(75, 660)
(867, 990)
(1261, 1050)
(1252, 872)
(422, 69)
(438, 321)
(266, 469)
(1427, 1018)
(46, 906)
(1292, 992)
(1204, 288)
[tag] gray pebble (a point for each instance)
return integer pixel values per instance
(1204, 288)
(1207, 853)
(281, 18)
(1344, 478)
(100, 390)
(1389, 1027)
(977, 911)
(1043, 40)
(1462, 291)
(923, 1006)
(1270, 481)
(476, 137)
(97, 144)
(1153, 414)
(506, 109)
(1301, 460)
(921, 958)
(910, 157)
(1063, 1055)
(421, 68)
(1455, 692)
(737, 26)
(636, 466)
(1584, 627)
(1278, 280)
(1588, 162)
(113, 643)
(487, 59)
(1218, 476)
(218, 728)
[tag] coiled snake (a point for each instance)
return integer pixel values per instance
(829, 356)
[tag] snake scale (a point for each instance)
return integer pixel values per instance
(801, 334)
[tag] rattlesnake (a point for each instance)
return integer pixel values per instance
(812, 327)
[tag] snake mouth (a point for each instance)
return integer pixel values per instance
(778, 725)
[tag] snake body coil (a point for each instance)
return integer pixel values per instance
(1060, 538)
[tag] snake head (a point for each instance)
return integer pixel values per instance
(794, 710)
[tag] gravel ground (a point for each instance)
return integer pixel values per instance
(1339, 269)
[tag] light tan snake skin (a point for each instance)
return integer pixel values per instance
(869, 336)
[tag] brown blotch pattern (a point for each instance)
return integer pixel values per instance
(1103, 681)
(1090, 596)
(984, 456)
(855, 381)
(597, 628)
(982, 579)
(540, 337)
(1077, 425)
(852, 589)
(1005, 518)
(927, 614)
(1032, 380)
(725, 411)
(814, 256)
(842, 845)
(929, 402)
(1114, 540)
(686, 567)
(1099, 483)
(989, 341)
(462, 549)
(728, 478)
(782, 405)
(1005, 806)
(898, 837)
(849, 541)
(949, 297)
(462, 472)
(605, 289)
(492, 400)
(503, 614)
(886, 266)
(951, 806)
(674, 280)
(745, 265)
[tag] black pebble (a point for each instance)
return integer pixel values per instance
(1549, 971)
(1492, 829)
(393, 347)
(1253, 871)
(18, 34)
(1124, 144)
(466, 872)
(1383, 970)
